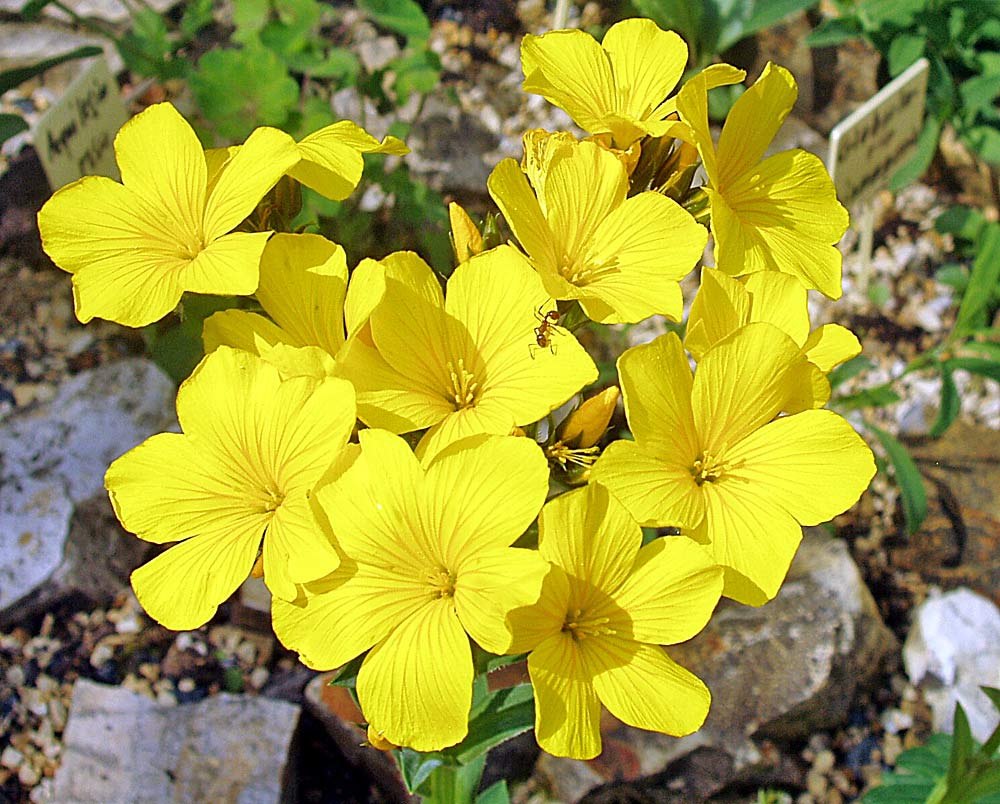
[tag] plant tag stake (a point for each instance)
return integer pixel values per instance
(76, 136)
(869, 145)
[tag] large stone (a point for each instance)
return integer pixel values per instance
(783, 670)
(52, 460)
(952, 649)
(122, 748)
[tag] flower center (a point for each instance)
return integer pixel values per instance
(579, 273)
(563, 455)
(272, 499)
(706, 469)
(579, 625)
(463, 385)
(442, 582)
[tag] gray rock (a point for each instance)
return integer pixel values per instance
(783, 670)
(952, 649)
(53, 459)
(107, 10)
(26, 43)
(122, 748)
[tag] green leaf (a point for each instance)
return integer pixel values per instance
(767, 13)
(981, 90)
(415, 767)
(416, 71)
(988, 348)
(12, 78)
(249, 16)
(33, 8)
(834, 30)
(496, 793)
(910, 791)
(899, 13)
(347, 675)
(509, 712)
(951, 404)
(293, 30)
(681, 16)
(401, 16)
(905, 49)
(962, 221)
(928, 761)
(11, 124)
(985, 141)
(846, 371)
(982, 366)
(238, 90)
(982, 281)
(962, 746)
(877, 397)
(197, 15)
(908, 479)
(954, 275)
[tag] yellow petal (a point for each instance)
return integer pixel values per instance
(830, 345)
(425, 662)
(645, 688)
(591, 536)
(343, 615)
(132, 293)
(490, 585)
(295, 549)
(241, 330)
(297, 361)
(465, 235)
(531, 625)
(228, 265)
(182, 588)
(247, 177)
(569, 69)
(303, 282)
(567, 710)
(364, 291)
(461, 424)
(671, 592)
(655, 488)
(720, 307)
(779, 299)
(510, 190)
(753, 122)
(586, 425)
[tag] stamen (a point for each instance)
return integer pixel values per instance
(579, 626)
(563, 455)
(463, 385)
(582, 274)
(442, 582)
(706, 469)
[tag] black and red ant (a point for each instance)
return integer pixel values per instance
(544, 330)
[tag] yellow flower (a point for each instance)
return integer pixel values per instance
(618, 87)
(607, 605)
(621, 257)
(252, 448)
(466, 239)
(710, 457)
(723, 305)
(427, 564)
(303, 282)
(468, 364)
(134, 248)
(779, 214)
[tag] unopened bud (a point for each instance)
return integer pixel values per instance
(466, 238)
(584, 426)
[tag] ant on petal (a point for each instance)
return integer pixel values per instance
(544, 330)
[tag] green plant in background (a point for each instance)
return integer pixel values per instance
(960, 39)
(973, 345)
(711, 27)
(11, 124)
(949, 769)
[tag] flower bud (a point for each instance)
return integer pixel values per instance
(465, 236)
(585, 425)
(376, 740)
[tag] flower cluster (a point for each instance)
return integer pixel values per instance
(378, 443)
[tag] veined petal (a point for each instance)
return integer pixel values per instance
(813, 464)
(484, 491)
(295, 549)
(591, 536)
(753, 122)
(425, 662)
(645, 688)
(388, 398)
(779, 299)
(375, 507)
(227, 265)
(830, 345)
(166, 489)
(656, 387)
(646, 245)
(692, 105)
(182, 588)
(714, 75)
(241, 330)
(490, 585)
(175, 181)
(721, 306)
(364, 291)
(461, 424)
(567, 710)
(671, 592)
(751, 536)
(344, 614)
(569, 69)
(510, 190)
(531, 625)
(131, 292)
(246, 178)
(656, 491)
(742, 383)
(303, 282)
(297, 361)
(646, 62)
